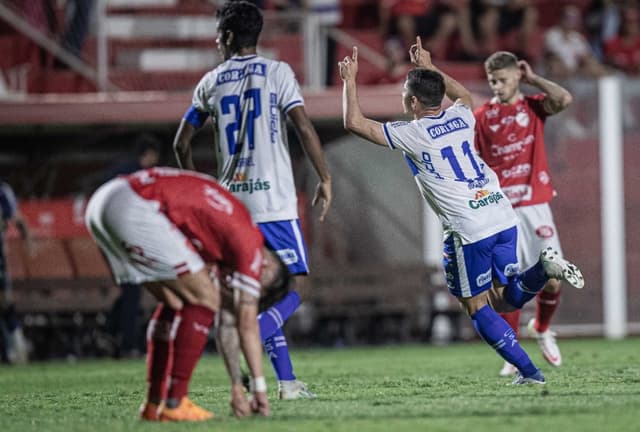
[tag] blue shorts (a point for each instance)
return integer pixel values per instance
(285, 238)
(470, 269)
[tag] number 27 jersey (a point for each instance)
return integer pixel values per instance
(248, 98)
(457, 184)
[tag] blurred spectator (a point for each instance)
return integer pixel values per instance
(436, 21)
(602, 22)
(623, 50)
(76, 28)
(494, 19)
(16, 347)
(122, 322)
(567, 52)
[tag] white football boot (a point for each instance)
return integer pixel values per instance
(547, 342)
(559, 268)
(290, 390)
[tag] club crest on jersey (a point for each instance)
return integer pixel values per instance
(441, 129)
(484, 198)
(522, 118)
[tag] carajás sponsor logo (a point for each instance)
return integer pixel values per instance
(241, 183)
(484, 198)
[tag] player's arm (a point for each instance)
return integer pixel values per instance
(313, 149)
(228, 342)
(353, 119)
(246, 310)
(455, 91)
(182, 145)
(558, 98)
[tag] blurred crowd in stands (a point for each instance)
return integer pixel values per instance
(586, 38)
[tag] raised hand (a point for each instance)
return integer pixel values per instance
(420, 56)
(349, 66)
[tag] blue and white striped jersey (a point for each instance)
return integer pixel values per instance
(248, 99)
(462, 190)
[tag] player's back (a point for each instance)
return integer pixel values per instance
(212, 218)
(249, 97)
(454, 180)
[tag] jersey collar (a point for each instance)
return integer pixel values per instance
(244, 58)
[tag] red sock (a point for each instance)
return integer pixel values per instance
(191, 339)
(513, 319)
(547, 304)
(161, 333)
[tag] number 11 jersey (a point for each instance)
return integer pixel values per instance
(248, 98)
(462, 190)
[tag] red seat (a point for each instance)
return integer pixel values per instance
(50, 260)
(14, 250)
(86, 258)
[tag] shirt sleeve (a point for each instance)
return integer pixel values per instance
(199, 110)
(536, 103)
(395, 134)
(289, 95)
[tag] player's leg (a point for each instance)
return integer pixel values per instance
(192, 333)
(513, 319)
(16, 346)
(157, 252)
(538, 232)
(470, 270)
(285, 238)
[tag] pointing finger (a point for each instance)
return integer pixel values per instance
(355, 54)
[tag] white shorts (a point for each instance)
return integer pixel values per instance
(536, 231)
(140, 243)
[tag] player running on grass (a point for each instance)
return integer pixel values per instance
(249, 98)
(479, 224)
(510, 139)
(164, 228)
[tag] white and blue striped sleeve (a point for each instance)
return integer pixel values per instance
(289, 94)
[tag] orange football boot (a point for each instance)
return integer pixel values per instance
(185, 411)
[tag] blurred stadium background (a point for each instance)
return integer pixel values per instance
(64, 118)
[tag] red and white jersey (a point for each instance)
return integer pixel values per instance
(216, 223)
(510, 139)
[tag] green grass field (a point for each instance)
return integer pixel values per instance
(411, 388)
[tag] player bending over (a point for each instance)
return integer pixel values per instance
(479, 224)
(165, 228)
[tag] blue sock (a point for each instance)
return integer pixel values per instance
(496, 332)
(525, 286)
(274, 318)
(278, 352)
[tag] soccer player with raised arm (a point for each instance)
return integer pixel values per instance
(479, 224)
(510, 139)
(166, 229)
(249, 98)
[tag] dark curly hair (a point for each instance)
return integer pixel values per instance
(242, 18)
